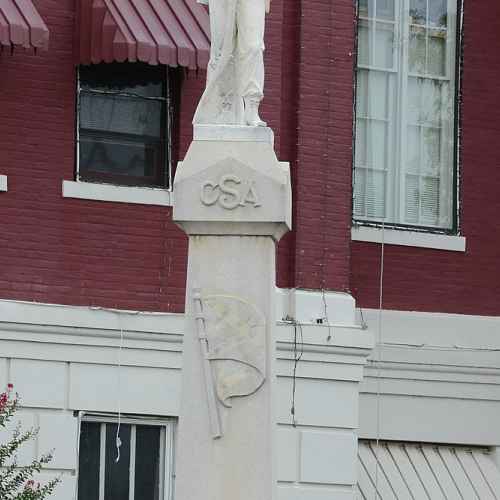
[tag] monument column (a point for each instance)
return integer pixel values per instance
(233, 199)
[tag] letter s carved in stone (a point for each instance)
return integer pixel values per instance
(231, 197)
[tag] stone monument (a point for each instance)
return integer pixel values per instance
(233, 199)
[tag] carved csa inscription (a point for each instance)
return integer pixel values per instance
(229, 192)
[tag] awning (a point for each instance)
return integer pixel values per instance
(412, 471)
(173, 32)
(21, 25)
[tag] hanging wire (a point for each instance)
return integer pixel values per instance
(379, 353)
(298, 351)
(118, 441)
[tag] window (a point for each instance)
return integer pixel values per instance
(406, 124)
(144, 470)
(123, 124)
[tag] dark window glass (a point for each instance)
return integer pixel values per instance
(123, 124)
(147, 463)
(117, 473)
(88, 467)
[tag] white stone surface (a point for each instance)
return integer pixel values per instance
(3, 374)
(306, 492)
(232, 198)
(65, 490)
(59, 433)
(147, 391)
(287, 444)
(26, 420)
(328, 457)
(314, 307)
(319, 402)
(235, 73)
(420, 239)
(233, 133)
(39, 383)
(232, 188)
(239, 464)
(117, 194)
(3, 183)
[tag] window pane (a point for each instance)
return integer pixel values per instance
(364, 42)
(438, 13)
(384, 45)
(417, 50)
(359, 192)
(127, 115)
(418, 11)
(377, 143)
(412, 199)
(413, 149)
(88, 465)
(375, 194)
(430, 201)
(362, 93)
(385, 9)
(117, 474)
(136, 78)
(366, 8)
(119, 156)
(361, 142)
(437, 53)
(431, 140)
(147, 463)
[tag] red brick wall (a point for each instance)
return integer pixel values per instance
(70, 251)
(324, 157)
(432, 280)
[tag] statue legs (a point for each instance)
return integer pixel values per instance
(249, 67)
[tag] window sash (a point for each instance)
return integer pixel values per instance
(391, 178)
(163, 170)
(166, 447)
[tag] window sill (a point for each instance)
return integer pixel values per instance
(3, 183)
(409, 238)
(118, 194)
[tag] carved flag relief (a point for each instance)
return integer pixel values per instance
(236, 334)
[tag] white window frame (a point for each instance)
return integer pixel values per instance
(167, 444)
(367, 229)
(3, 183)
(113, 192)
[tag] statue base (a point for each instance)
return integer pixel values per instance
(233, 199)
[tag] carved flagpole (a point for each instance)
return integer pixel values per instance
(205, 353)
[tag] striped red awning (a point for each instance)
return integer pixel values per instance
(21, 25)
(173, 32)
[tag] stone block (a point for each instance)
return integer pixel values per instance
(328, 457)
(40, 384)
(287, 451)
(59, 433)
(145, 391)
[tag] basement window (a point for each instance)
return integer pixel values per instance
(406, 114)
(124, 124)
(144, 470)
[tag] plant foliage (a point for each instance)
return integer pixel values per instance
(16, 482)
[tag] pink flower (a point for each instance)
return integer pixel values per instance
(10, 387)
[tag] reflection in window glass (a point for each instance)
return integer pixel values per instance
(123, 124)
(139, 472)
(405, 114)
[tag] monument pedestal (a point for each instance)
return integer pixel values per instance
(233, 199)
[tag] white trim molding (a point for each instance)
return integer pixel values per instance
(408, 238)
(432, 377)
(119, 194)
(3, 183)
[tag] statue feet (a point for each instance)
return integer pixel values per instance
(251, 113)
